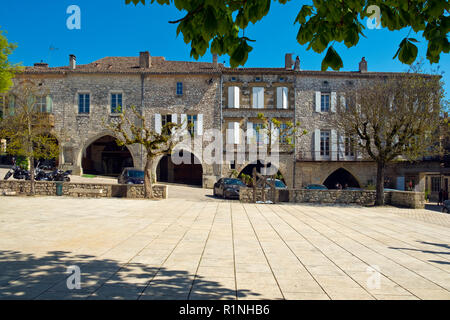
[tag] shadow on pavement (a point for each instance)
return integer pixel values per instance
(26, 276)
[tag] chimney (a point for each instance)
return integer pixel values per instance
(145, 60)
(72, 62)
(363, 65)
(215, 60)
(288, 61)
(297, 64)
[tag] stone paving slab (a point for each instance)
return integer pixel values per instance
(193, 249)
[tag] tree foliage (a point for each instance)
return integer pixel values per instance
(392, 119)
(28, 131)
(7, 70)
(217, 24)
(133, 128)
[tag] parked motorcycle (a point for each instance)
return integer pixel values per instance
(59, 175)
(40, 174)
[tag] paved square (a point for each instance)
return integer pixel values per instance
(183, 249)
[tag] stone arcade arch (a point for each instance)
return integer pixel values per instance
(343, 177)
(248, 169)
(103, 156)
(185, 173)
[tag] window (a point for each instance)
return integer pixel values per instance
(349, 147)
(83, 103)
(324, 143)
(179, 88)
(192, 123)
(259, 134)
(435, 184)
(116, 103)
(258, 97)
(258, 79)
(285, 134)
(165, 119)
(282, 97)
(325, 102)
(233, 78)
(233, 97)
(41, 104)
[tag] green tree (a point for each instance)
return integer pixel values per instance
(133, 128)
(27, 129)
(394, 119)
(7, 70)
(217, 24)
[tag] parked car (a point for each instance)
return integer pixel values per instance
(131, 176)
(446, 207)
(228, 188)
(278, 184)
(316, 187)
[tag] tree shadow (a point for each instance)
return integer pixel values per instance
(27, 276)
(440, 245)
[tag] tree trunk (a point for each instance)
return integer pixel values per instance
(32, 182)
(379, 201)
(148, 182)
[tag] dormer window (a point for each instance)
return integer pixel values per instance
(258, 79)
(281, 79)
(233, 78)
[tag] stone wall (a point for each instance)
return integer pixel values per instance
(365, 197)
(82, 190)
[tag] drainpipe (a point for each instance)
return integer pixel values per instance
(221, 119)
(142, 114)
(295, 137)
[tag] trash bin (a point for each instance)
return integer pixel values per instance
(59, 188)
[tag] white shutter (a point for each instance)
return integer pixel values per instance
(230, 97)
(236, 132)
(261, 98)
(236, 97)
(249, 132)
(341, 147)
(158, 123)
(333, 101)
(183, 122)
(279, 97)
(317, 101)
(174, 118)
(316, 149)
(49, 104)
(333, 145)
(285, 98)
(230, 133)
(199, 128)
(359, 150)
(282, 98)
(258, 97)
(275, 133)
(343, 106)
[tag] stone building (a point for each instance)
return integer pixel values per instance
(210, 96)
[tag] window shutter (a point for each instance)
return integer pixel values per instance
(12, 104)
(258, 98)
(230, 133)
(333, 145)
(158, 123)
(333, 101)
(261, 98)
(174, 118)
(255, 98)
(316, 144)
(341, 147)
(183, 122)
(317, 101)
(285, 98)
(249, 132)
(230, 97)
(200, 124)
(275, 133)
(279, 97)
(49, 104)
(236, 133)
(343, 106)
(236, 97)
(358, 151)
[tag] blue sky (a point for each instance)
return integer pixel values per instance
(111, 28)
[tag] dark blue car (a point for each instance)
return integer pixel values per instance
(131, 176)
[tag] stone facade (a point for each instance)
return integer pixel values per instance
(152, 84)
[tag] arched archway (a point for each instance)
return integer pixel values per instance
(104, 157)
(190, 173)
(248, 169)
(342, 177)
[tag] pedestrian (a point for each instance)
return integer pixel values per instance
(445, 196)
(441, 195)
